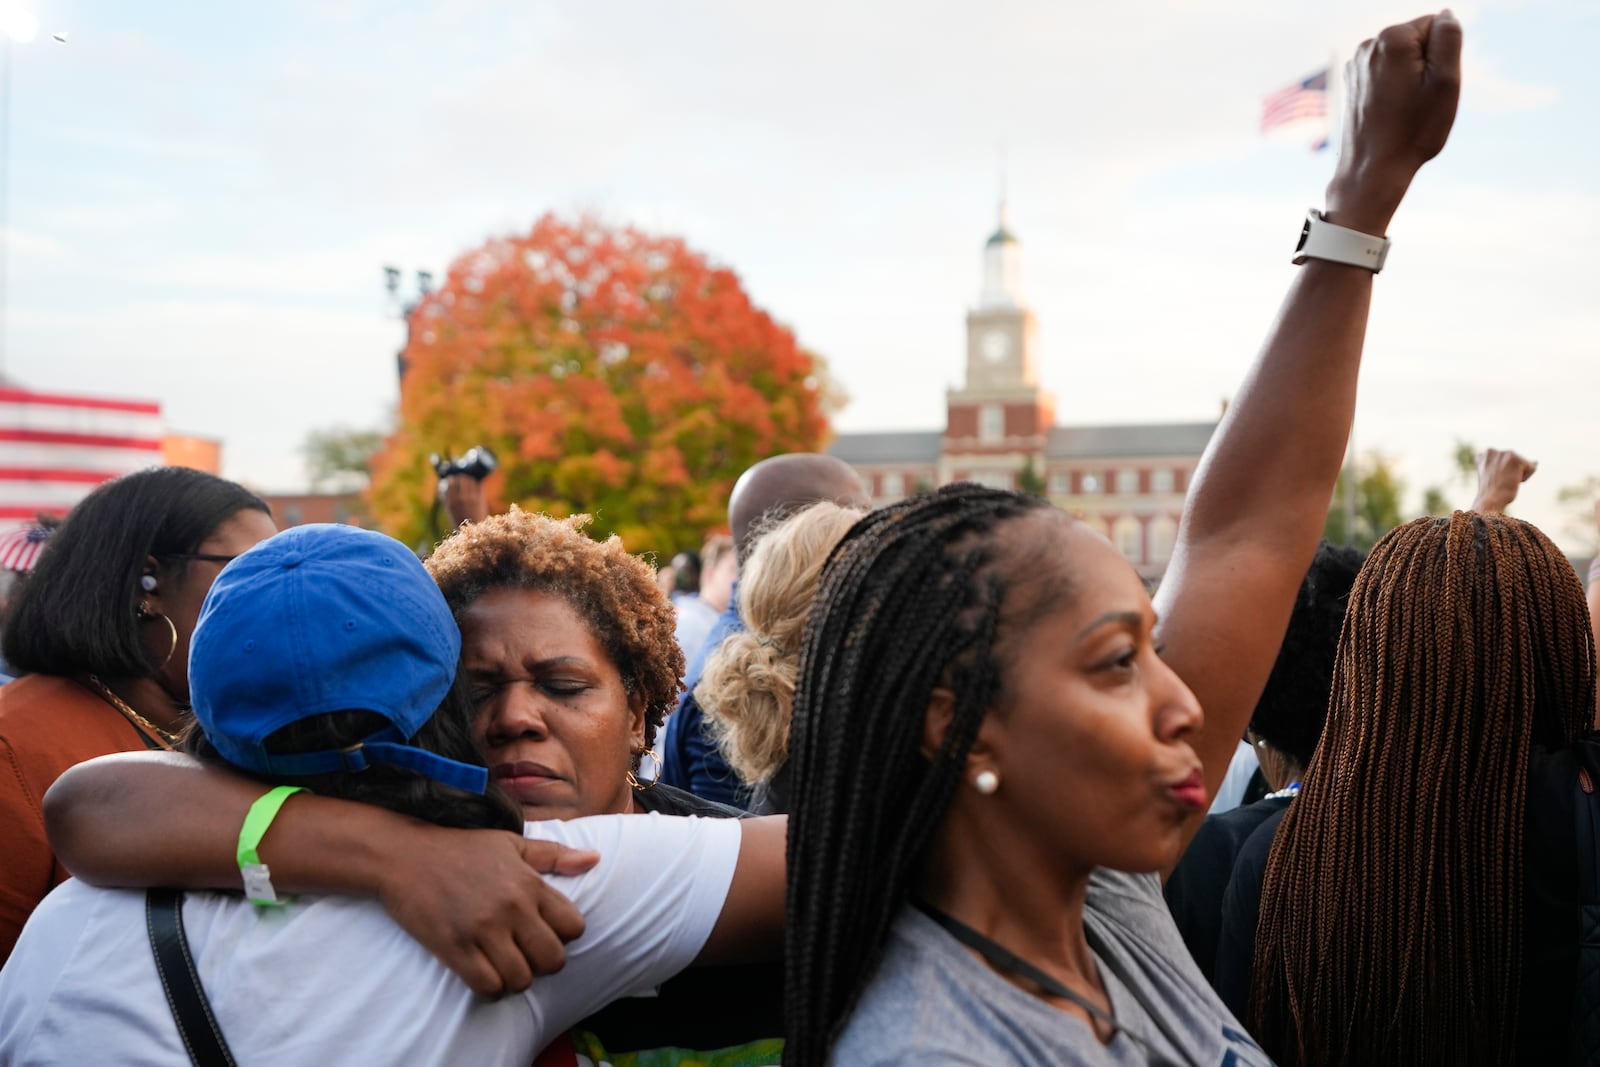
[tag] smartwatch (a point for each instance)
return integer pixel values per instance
(1321, 239)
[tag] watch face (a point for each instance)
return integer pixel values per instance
(994, 345)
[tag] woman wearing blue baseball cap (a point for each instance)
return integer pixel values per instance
(569, 659)
(319, 659)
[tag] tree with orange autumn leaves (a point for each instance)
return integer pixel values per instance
(613, 372)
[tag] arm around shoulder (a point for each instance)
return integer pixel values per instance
(474, 898)
(751, 924)
(112, 822)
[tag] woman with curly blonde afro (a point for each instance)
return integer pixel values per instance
(747, 689)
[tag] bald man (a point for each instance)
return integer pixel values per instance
(763, 496)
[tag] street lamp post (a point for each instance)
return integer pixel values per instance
(404, 307)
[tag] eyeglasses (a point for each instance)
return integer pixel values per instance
(206, 557)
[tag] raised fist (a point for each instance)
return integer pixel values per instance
(1500, 474)
(1401, 91)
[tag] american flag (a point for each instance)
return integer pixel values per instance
(55, 448)
(1303, 100)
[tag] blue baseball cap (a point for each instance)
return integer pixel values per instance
(325, 618)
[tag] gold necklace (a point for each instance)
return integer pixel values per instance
(134, 717)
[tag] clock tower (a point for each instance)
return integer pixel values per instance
(1000, 330)
(1000, 419)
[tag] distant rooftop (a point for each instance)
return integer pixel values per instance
(904, 446)
(1002, 236)
(1141, 439)
(1065, 442)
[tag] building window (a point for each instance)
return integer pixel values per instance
(1163, 533)
(1089, 484)
(1127, 480)
(894, 485)
(991, 423)
(1161, 480)
(1128, 539)
(1060, 483)
(995, 479)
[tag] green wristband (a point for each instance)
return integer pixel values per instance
(257, 878)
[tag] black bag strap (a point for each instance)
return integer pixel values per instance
(202, 1037)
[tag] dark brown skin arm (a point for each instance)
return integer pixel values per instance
(1260, 496)
(474, 898)
(1501, 473)
(751, 925)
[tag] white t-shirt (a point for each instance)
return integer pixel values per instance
(332, 980)
(1241, 768)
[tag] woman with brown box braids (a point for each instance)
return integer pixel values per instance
(1420, 903)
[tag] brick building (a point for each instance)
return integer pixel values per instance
(295, 509)
(1129, 481)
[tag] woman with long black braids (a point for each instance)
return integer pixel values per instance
(992, 752)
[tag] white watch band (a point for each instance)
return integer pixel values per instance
(1321, 239)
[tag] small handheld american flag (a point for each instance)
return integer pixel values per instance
(1305, 99)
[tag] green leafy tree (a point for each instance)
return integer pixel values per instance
(1029, 480)
(1436, 500)
(1377, 510)
(340, 458)
(1579, 503)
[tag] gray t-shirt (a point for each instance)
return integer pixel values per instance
(933, 1002)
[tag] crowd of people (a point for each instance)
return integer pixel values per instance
(922, 783)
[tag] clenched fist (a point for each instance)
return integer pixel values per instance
(1401, 92)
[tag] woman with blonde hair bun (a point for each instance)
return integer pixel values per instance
(747, 689)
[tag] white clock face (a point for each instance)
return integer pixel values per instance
(994, 345)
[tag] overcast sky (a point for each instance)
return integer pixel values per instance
(202, 196)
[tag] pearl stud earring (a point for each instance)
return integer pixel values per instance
(986, 782)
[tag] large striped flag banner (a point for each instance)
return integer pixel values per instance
(55, 448)
(1305, 99)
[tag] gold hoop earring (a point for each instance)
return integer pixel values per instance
(172, 631)
(655, 779)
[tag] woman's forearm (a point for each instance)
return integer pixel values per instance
(474, 898)
(141, 819)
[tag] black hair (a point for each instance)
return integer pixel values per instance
(448, 732)
(1294, 704)
(76, 613)
(686, 572)
(915, 597)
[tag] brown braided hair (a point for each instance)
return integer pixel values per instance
(1391, 915)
